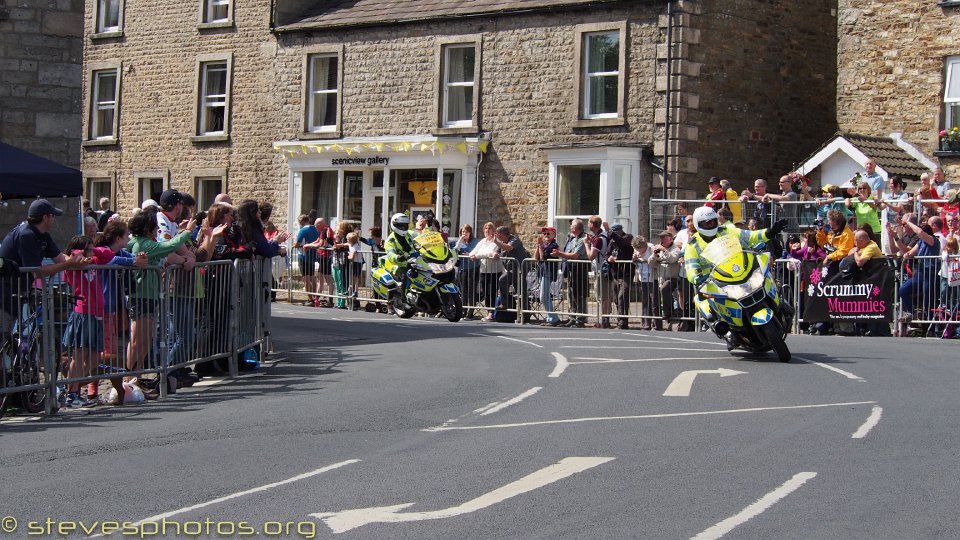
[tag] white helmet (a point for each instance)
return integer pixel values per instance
(705, 220)
(400, 223)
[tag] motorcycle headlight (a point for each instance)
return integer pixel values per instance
(442, 268)
(736, 292)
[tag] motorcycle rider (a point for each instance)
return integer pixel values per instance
(706, 223)
(401, 249)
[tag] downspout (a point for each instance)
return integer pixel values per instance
(476, 193)
(666, 121)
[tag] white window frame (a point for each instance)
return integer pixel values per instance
(142, 177)
(582, 114)
(97, 131)
(204, 176)
(609, 160)
(207, 7)
(205, 101)
(448, 84)
(952, 68)
(308, 130)
(91, 177)
(99, 19)
(314, 92)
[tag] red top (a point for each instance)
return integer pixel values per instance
(87, 283)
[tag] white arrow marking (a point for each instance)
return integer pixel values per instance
(872, 421)
(351, 519)
(562, 364)
(684, 382)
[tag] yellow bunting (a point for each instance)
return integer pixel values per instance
(462, 147)
(484, 145)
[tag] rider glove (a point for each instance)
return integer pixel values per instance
(778, 228)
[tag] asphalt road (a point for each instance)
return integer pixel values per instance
(366, 426)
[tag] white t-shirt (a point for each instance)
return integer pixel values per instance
(682, 238)
(353, 252)
(168, 229)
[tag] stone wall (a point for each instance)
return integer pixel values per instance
(891, 69)
(41, 50)
(753, 88)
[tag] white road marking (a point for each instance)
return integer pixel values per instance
(562, 364)
(649, 416)
(266, 487)
(636, 347)
(514, 401)
(592, 360)
(846, 374)
(872, 421)
(510, 339)
(756, 508)
(351, 519)
(683, 383)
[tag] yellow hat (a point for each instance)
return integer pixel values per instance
(828, 187)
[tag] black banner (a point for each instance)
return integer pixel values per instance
(862, 295)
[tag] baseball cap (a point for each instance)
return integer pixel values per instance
(616, 227)
(548, 229)
(666, 233)
(148, 203)
(713, 180)
(42, 207)
(170, 197)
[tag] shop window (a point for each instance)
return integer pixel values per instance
(353, 201)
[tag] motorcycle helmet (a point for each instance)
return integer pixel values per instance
(400, 223)
(705, 220)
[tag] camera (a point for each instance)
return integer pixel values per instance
(818, 222)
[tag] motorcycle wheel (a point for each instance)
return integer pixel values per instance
(774, 334)
(451, 306)
(401, 311)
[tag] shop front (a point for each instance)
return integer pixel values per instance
(365, 181)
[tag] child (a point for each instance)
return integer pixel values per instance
(950, 294)
(355, 270)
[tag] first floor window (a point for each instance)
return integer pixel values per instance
(207, 189)
(213, 97)
(324, 86)
(216, 11)
(458, 84)
(601, 74)
(103, 108)
(951, 93)
(108, 16)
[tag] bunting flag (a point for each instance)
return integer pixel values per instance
(433, 147)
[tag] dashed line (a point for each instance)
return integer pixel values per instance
(872, 421)
(514, 401)
(846, 374)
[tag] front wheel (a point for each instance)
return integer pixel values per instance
(451, 305)
(401, 309)
(775, 338)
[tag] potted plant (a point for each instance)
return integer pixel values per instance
(950, 139)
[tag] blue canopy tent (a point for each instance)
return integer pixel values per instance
(25, 175)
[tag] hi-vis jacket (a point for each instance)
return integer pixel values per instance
(696, 245)
(399, 247)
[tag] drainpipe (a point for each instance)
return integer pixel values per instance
(666, 121)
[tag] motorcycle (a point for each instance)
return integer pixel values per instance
(741, 300)
(430, 281)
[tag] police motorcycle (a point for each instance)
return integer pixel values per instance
(431, 279)
(740, 299)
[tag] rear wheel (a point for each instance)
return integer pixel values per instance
(775, 337)
(452, 306)
(34, 401)
(401, 309)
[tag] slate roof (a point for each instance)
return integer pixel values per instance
(889, 156)
(338, 13)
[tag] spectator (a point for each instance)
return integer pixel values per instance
(786, 198)
(894, 205)
(762, 210)
(574, 249)
(88, 212)
(105, 213)
(874, 179)
(89, 227)
(26, 246)
(376, 244)
(683, 236)
(926, 197)
(922, 284)
(907, 239)
(715, 193)
(599, 238)
(736, 208)
(950, 282)
(168, 220)
(547, 271)
(355, 267)
(665, 266)
(487, 252)
(339, 264)
(512, 250)
(223, 198)
(619, 257)
(324, 247)
(144, 300)
(865, 250)
(940, 183)
(809, 253)
(469, 275)
(840, 238)
(307, 257)
(865, 209)
(641, 254)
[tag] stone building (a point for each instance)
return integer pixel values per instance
(523, 112)
(899, 72)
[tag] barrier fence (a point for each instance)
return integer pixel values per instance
(110, 322)
(637, 294)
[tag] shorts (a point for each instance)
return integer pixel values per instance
(83, 332)
(140, 308)
(308, 266)
(325, 265)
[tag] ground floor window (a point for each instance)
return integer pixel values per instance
(603, 181)
(98, 188)
(207, 188)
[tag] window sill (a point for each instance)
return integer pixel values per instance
(948, 3)
(99, 142)
(315, 135)
(947, 153)
(462, 130)
(106, 35)
(209, 138)
(217, 24)
(600, 122)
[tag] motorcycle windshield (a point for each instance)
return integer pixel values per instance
(721, 249)
(432, 245)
